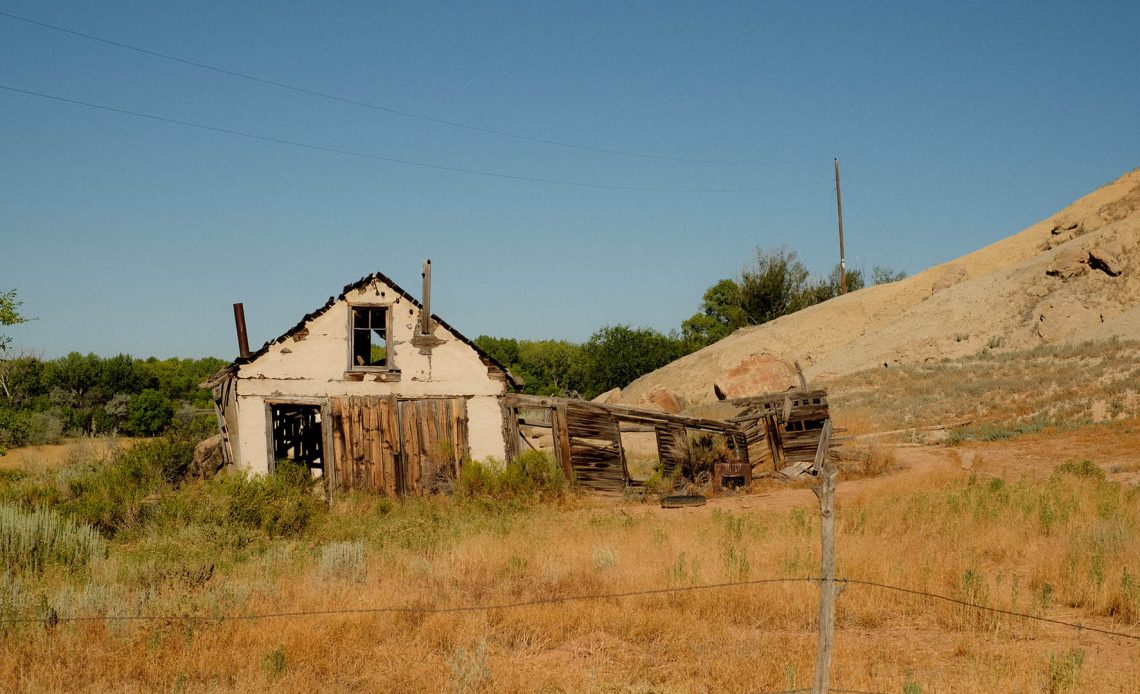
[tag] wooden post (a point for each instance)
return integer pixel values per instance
(561, 433)
(828, 592)
(842, 258)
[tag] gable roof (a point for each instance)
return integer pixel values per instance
(367, 279)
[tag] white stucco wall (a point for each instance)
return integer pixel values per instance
(316, 365)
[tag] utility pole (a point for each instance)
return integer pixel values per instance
(842, 258)
(828, 591)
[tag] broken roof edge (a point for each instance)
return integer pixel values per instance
(487, 359)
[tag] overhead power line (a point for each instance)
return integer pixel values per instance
(399, 112)
(392, 160)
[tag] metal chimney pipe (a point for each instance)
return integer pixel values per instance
(425, 314)
(242, 337)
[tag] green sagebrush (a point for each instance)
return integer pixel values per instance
(31, 540)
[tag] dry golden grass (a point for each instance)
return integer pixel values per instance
(1065, 547)
(1008, 530)
(54, 456)
(1052, 385)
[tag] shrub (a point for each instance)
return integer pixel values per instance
(279, 504)
(529, 475)
(1080, 468)
(113, 495)
(14, 427)
(122, 491)
(31, 540)
(344, 561)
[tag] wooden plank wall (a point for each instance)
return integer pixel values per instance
(366, 443)
(672, 447)
(393, 447)
(434, 438)
(791, 422)
(594, 442)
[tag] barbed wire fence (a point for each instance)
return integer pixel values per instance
(53, 619)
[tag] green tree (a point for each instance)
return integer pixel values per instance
(9, 315)
(885, 275)
(720, 314)
(553, 367)
(150, 413)
(616, 355)
(774, 285)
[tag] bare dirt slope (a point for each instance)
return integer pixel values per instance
(1071, 277)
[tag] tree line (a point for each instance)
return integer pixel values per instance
(41, 400)
(774, 283)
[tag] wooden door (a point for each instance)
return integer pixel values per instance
(365, 434)
(433, 434)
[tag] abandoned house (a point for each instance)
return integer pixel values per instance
(371, 391)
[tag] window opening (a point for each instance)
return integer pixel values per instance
(369, 336)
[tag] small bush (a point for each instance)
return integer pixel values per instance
(1064, 671)
(343, 561)
(605, 558)
(273, 663)
(529, 475)
(1080, 468)
(469, 669)
(280, 504)
(114, 494)
(44, 428)
(31, 540)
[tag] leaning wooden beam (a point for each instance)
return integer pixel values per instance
(625, 413)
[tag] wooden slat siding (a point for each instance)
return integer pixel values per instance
(359, 449)
(462, 438)
(511, 433)
(562, 439)
(672, 447)
(775, 441)
(433, 439)
(375, 446)
(389, 418)
(410, 445)
(756, 443)
(595, 447)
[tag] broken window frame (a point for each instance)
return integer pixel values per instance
(322, 411)
(352, 330)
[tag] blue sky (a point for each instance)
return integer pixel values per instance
(955, 124)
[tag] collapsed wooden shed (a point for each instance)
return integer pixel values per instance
(770, 434)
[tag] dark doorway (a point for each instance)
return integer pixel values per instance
(297, 435)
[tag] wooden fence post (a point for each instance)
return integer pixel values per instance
(828, 592)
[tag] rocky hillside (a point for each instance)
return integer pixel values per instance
(1071, 277)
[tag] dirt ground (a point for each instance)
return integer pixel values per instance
(1115, 448)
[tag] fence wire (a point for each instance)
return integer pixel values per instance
(52, 618)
